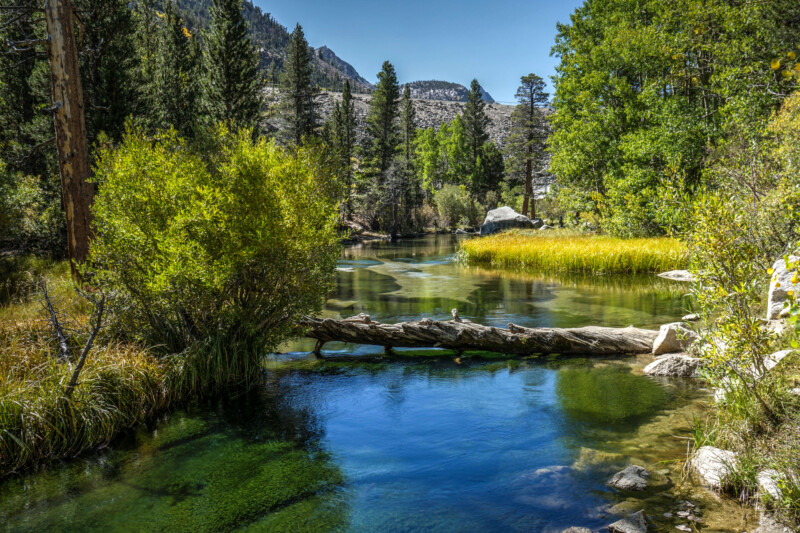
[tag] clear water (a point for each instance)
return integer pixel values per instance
(424, 442)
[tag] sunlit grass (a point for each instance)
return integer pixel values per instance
(122, 384)
(538, 251)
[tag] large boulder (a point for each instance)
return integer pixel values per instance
(713, 465)
(632, 477)
(672, 338)
(635, 523)
(779, 286)
(674, 365)
(506, 218)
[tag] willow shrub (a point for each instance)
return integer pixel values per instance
(214, 251)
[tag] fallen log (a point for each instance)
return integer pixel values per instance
(462, 335)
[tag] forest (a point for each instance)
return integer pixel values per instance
(194, 206)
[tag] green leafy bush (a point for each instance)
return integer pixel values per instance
(455, 206)
(224, 246)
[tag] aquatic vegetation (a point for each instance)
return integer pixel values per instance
(557, 252)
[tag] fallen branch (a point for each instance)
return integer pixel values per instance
(97, 314)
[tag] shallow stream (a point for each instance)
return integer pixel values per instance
(421, 442)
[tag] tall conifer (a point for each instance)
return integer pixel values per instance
(475, 121)
(383, 135)
(297, 89)
(232, 83)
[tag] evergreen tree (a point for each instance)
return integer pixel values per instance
(475, 121)
(297, 89)
(174, 80)
(108, 65)
(383, 136)
(526, 143)
(232, 83)
(344, 139)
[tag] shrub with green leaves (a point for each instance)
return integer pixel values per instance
(456, 206)
(224, 246)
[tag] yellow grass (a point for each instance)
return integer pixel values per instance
(568, 252)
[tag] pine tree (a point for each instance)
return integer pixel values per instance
(232, 82)
(108, 65)
(475, 121)
(297, 90)
(344, 139)
(382, 128)
(526, 142)
(174, 80)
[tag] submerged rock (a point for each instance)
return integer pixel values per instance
(678, 275)
(506, 218)
(676, 365)
(713, 465)
(672, 338)
(577, 530)
(767, 524)
(779, 286)
(632, 477)
(635, 523)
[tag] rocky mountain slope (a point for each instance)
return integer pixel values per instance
(429, 114)
(327, 57)
(443, 90)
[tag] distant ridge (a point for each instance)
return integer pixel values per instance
(342, 67)
(444, 90)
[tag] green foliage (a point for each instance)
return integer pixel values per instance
(174, 88)
(526, 141)
(297, 92)
(645, 89)
(227, 245)
(456, 207)
(232, 82)
(383, 135)
(343, 142)
(475, 121)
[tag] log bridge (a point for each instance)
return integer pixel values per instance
(462, 335)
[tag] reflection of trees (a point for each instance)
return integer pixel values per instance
(607, 395)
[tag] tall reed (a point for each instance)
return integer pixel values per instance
(558, 252)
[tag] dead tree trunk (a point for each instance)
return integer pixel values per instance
(70, 128)
(464, 336)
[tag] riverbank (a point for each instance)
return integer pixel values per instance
(121, 385)
(568, 251)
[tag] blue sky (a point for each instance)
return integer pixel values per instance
(495, 42)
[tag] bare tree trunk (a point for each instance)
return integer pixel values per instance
(462, 335)
(70, 128)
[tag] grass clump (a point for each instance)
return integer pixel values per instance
(571, 252)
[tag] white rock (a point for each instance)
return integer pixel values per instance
(713, 465)
(506, 218)
(779, 286)
(795, 391)
(772, 360)
(694, 317)
(635, 523)
(674, 365)
(672, 338)
(678, 275)
(768, 483)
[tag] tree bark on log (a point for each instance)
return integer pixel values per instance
(463, 336)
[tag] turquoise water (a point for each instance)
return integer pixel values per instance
(410, 443)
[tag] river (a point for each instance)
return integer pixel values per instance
(424, 441)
